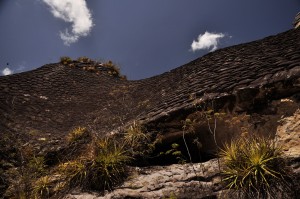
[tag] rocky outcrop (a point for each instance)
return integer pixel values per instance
(280, 119)
(37, 101)
(245, 82)
(201, 180)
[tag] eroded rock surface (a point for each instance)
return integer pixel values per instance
(288, 134)
(280, 120)
(182, 181)
(38, 108)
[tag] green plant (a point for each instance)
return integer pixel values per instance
(84, 59)
(253, 167)
(109, 165)
(105, 170)
(41, 187)
(175, 152)
(77, 134)
(135, 135)
(37, 165)
(114, 69)
(65, 60)
(73, 171)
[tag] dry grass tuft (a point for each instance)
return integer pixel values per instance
(77, 134)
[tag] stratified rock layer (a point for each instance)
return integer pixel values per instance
(39, 107)
(55, 98)
(183, 181)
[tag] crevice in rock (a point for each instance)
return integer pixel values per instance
(166, 154)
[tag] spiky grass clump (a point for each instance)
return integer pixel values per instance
(36, 165)
(74, 172)
(109, 166)
(77, 134)
(84, 59)
(138, 141)
(135, 134)
(41, 187)
(105, 170)
(254, 167)
(114, 70)
(65, 60)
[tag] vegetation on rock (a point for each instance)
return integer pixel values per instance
(96, 67)
(65, 60)
(77, 134)
(254, 167)
(104, 170)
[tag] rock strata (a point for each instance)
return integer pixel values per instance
(201, 180)
(256, 84)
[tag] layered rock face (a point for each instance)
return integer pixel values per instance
(256, 85)
(203, 180)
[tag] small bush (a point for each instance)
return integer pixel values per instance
(37, 165)
(176, 153)
(65, 60)
(77, 134)
(254, 167)
(74, 172)
(109, 166)
(135, 135)
(114, 69)
(41, 187)
(104, 171)
(138, 141)
(84, 59)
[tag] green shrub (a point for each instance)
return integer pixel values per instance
(104, 171)
(176, 153)
(84, 59)
(135, 135)
(109, 165)
(77, 134)
(254, 167)
(41, 187)
(74, 172)
(114, 69)
(37, 165)
(65, 60)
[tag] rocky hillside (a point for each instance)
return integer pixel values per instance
(251, 88)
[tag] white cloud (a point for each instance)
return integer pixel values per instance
(75, 12)
(7, 71)
(207, 41)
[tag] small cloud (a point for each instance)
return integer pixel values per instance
(207, 41)
(75, 12)
(7, 71)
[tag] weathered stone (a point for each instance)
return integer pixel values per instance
(183, 181)
(243, 79)
(288, 134)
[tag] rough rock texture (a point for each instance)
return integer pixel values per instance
(203, 180)
(297, 21)
(38, 108)
(55, 98)
(288, 134)
(183, 181)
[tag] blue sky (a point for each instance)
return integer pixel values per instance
(144, 37)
